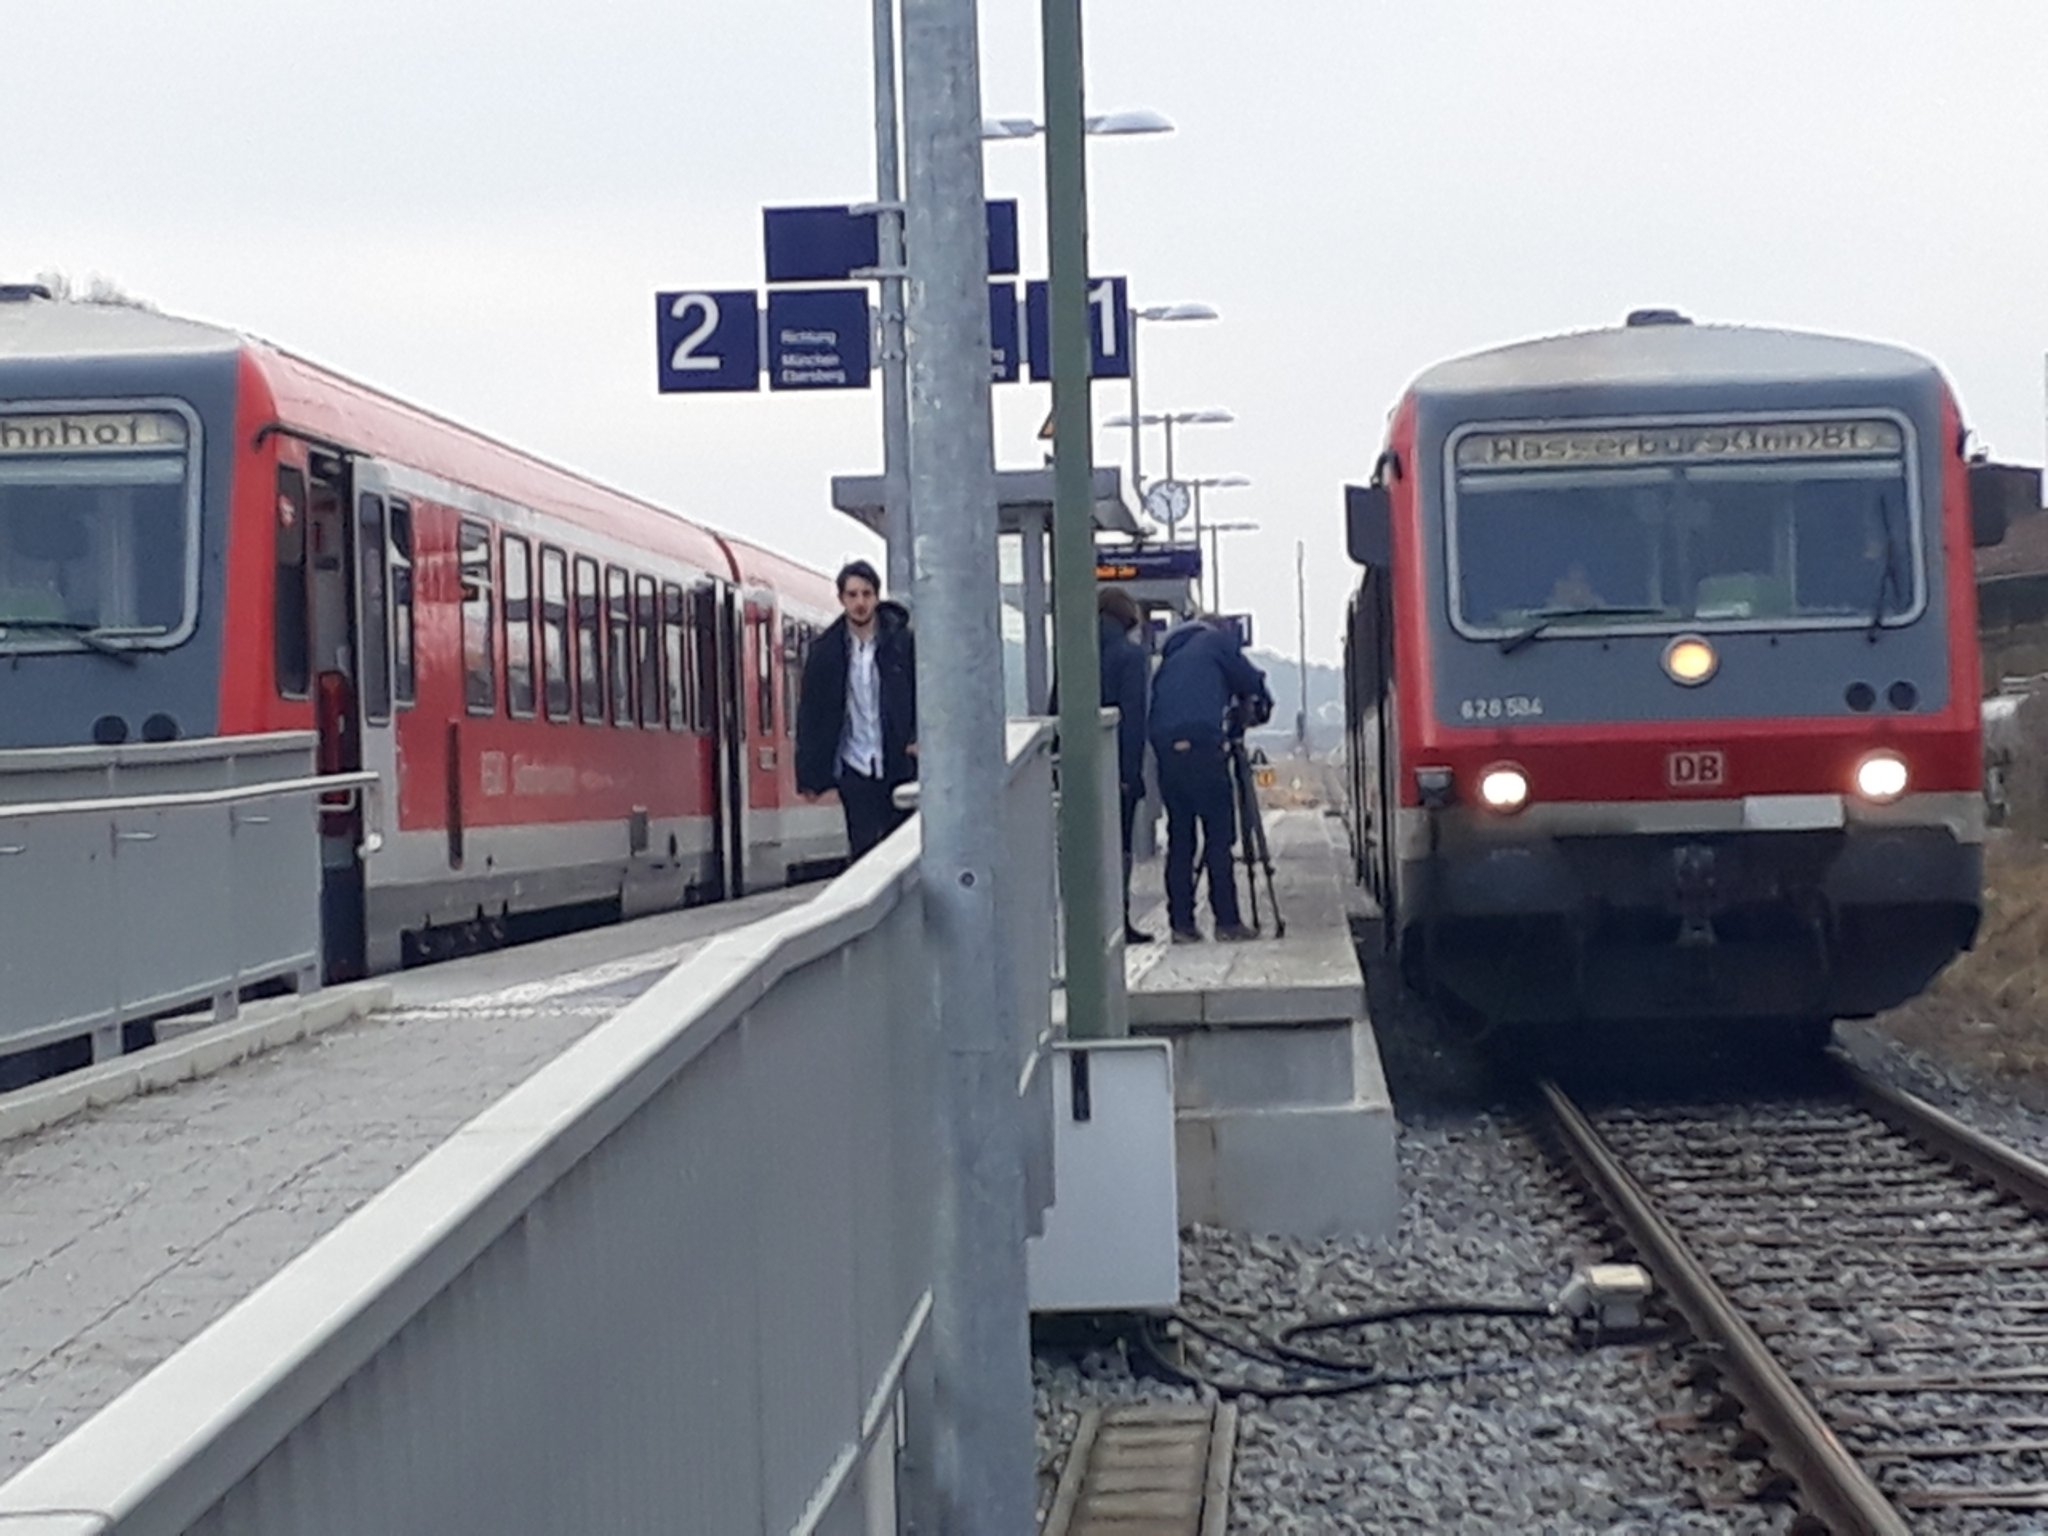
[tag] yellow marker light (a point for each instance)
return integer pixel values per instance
(1882, 776)
(1503, 789)
(1690, 661)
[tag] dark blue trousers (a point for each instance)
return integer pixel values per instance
(1194, 781)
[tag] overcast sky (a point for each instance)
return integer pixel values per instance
(472, 205)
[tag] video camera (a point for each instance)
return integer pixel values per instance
(1246, 714)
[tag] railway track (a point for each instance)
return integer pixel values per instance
(1874, 1276)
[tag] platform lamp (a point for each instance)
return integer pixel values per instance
(1157, 314)
(1216, 559)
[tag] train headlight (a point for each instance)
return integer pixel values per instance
(1690, 661)
(1882, 776)
(1504, 789)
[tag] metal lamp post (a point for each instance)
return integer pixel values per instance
(1216, 530)
(1170, 420)
(1214, 483)
(1156, 314)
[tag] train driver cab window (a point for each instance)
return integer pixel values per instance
(589, 643)
(479, 664)
(403, 680)
(619, 642)
(554, 632)
(99, 532)
(1802, 522)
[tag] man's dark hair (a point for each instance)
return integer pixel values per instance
(861, 569)
(1118, 604)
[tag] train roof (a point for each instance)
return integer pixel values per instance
(323, 404)
(1671, 352)
(44, 329)
(759, 566)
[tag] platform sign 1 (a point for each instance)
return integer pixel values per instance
(1005, 340)
(1241, 624)
(819, 338)
(708, 341)
(1109, 322)
(829, 243)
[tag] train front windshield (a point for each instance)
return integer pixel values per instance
(1792, 524)
(97, 528)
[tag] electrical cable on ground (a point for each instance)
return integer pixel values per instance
(1278, 1352)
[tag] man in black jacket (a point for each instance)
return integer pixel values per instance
(1124, 673)
(856, 725)
(1202, 675)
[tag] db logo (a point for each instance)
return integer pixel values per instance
(1696, 770)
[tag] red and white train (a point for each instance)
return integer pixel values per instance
(576, 702)
(1663, 676)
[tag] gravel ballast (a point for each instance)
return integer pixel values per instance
(1557, 1437)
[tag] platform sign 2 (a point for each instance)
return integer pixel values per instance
(819, 338)
(708, 341)
(829, 243)
(1109, 327)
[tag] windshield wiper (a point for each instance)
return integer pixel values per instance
(93, 635)
(1545, 617)
(1888, 579)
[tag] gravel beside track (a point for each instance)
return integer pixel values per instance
(1565, 1439)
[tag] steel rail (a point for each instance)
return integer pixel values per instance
(2022, 1177)
(1837, 1489)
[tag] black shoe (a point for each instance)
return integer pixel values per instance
(1236, 933)
(1187, 935)
(1136, 935)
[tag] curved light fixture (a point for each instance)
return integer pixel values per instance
(1882, 777)
(1504, 788)
(1689, 661)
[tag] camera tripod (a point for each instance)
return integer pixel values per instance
(1256, 854)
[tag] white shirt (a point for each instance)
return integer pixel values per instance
(860, 740)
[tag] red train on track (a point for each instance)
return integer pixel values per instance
(577, 703)
(1663, 677)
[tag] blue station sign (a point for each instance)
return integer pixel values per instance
(829, 243)
(708, 341)
(819, 338)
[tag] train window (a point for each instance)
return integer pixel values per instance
(647, 650)
(589, 643)
(375, 681)
(764, 670)
(554, 632)
(619, 642)
(403, 681)
(517, 556)
(704, 637)
(795, 645)
(294, 641)
(479, 665)
(673, 638)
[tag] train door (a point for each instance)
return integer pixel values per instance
(334, 628)
(721, 647)
(381, 542)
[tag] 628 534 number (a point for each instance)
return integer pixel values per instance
(1513, 707)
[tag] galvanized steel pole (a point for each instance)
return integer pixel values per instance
(1074, 622)
(896, 523)
(984, 1458)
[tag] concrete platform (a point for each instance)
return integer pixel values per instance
(1284, 1124)
(127, 1227)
